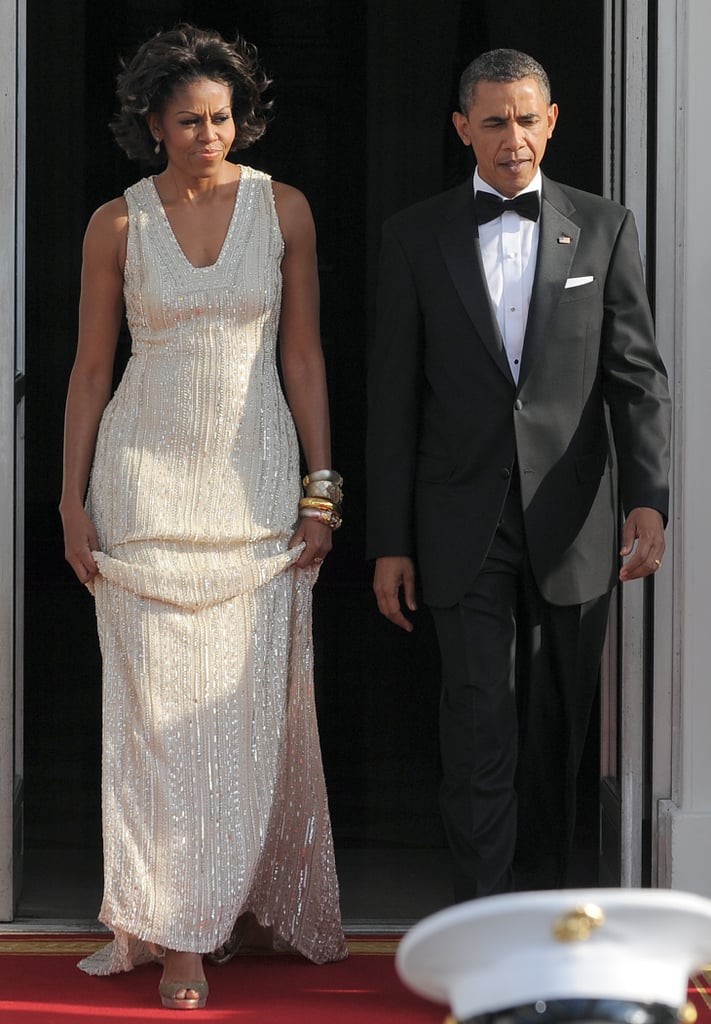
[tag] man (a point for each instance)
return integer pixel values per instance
(513, 347)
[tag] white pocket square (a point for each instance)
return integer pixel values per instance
(575, 282)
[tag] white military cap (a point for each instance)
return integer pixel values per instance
(549, 954)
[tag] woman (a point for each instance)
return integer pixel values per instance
(214, 803)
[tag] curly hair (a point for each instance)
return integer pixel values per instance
(174, 58)
(500, 66)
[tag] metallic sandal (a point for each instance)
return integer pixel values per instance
(168, 991)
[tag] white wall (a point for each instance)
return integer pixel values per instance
(685, 820)
(8, 33)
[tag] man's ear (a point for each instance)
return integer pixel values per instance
(461, 125)
(552, 118)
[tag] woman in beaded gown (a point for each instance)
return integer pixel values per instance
(193, 536)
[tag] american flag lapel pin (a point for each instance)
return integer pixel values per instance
(564, 239)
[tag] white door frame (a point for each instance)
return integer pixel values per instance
(631, 595)
(625, 730)
(670, 233)
(12, 176)
(684, 818)
(679, 796)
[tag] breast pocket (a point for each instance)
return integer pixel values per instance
(580, 288)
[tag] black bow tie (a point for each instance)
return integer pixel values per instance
(488, 207)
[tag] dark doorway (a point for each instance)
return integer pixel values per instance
(363, 92)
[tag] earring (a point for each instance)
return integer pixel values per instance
(156, 148)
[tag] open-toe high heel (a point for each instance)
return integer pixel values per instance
(169, 990)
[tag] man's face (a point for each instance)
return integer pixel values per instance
(508, 126)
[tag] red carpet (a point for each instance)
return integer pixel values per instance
(700, 995)
(40, 984)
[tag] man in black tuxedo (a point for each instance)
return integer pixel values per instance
(514, 384)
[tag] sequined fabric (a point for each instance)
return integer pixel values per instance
(213, 794)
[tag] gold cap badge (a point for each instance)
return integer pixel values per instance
(578, 924)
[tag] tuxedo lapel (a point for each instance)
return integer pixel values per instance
(462, 255)
(557, 244)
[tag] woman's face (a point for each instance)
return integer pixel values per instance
(196, 127)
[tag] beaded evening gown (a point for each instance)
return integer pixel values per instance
(214, 801)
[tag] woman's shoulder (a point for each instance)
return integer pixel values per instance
(290, 202)
(285, 195)
(111, 216)
(288, 194)
(295, 218)
(106, 232)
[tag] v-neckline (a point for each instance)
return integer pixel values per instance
(228, 233)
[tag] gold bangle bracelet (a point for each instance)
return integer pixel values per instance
(321, 503)
(316, 502)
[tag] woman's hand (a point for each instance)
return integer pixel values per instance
(318, 539)
(80, 539)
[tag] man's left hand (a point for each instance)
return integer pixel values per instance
(642, 544)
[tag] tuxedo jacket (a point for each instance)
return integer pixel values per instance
(447, 425)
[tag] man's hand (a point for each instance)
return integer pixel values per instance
(642, 544)
(391, 574)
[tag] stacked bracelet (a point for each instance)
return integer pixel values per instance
(323, 474)
(323, 497)
(331, 519)
(325, 489)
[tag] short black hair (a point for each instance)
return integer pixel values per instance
(173, 58)
(500, 66)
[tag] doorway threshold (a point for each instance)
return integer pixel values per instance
(52, 926)
(82, 926)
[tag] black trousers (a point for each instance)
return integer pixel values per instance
(519, 677)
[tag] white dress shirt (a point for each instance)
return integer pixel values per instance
(509, 245)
